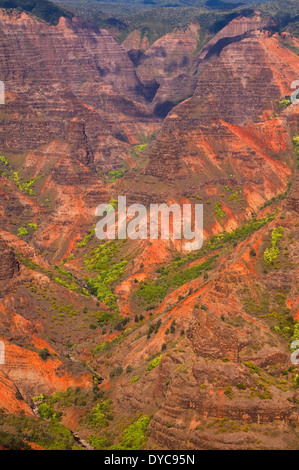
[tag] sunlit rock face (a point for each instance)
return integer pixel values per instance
(220, 319)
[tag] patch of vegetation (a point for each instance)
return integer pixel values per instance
(22, 232)
(73, 286)
(241, 387)
(12, 442)
(44, 354)
(134, 379)
(50, 435)
(42, 9)
(46, 411)
(275, 310)
(228, 392)
(170, 279)
(100, 260)
(113, 203)
(99, 443)
(154, 363)
(284, 103)
(285, 13)
(253, 368)
(291, 46)
(296, 147)
(115, 175)
(100, 414)
(154, 328)
(134, 437)
(219, 211)
(279, 197)
(271, 254)
(4, 161)
(67, 398)
(32, 226)
(115, 372)
(26, 186)
(175, 274)
(86, 239)
(140, 148)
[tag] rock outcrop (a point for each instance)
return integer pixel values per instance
(8, 262)
(54, 74)
(77, 139)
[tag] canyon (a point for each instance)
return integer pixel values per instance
(131, 344)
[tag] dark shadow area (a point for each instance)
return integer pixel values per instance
(222, 43)
(148, 89)
(162, 109)
(135, 56)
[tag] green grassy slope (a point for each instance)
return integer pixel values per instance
(42, 9)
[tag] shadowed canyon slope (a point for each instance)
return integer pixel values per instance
(230, 144)
(175, 349)
(170, 64)
(69, 70)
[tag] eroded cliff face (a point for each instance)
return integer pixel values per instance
(8, 262)
(56, 73)
(74, 109)
(77, 315)
(167, 65)
(223, 385)
(169, 68)
(27, 328)
(231, 142)
(257, 71)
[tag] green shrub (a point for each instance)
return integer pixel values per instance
(49, 434)
(104, 318)
(86, 239)
(271, 254)
(100, 347)
(284, 103)
(44, 354)
(134, 437)
(296, 143)
(100, 414)
(115, 372)
(3, 160)
(32, 226)
(42, 9)
(241, 387)
(98, 443)
(115, 175)
(141, 147)
(22, 232)
(18, 395)
(47, 412)
(12, 442)
(154, 363)
(218, 210)
(228, 392)
(253, 368)
(101, 261)
(135, 379)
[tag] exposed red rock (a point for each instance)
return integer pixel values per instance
(75, 316)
